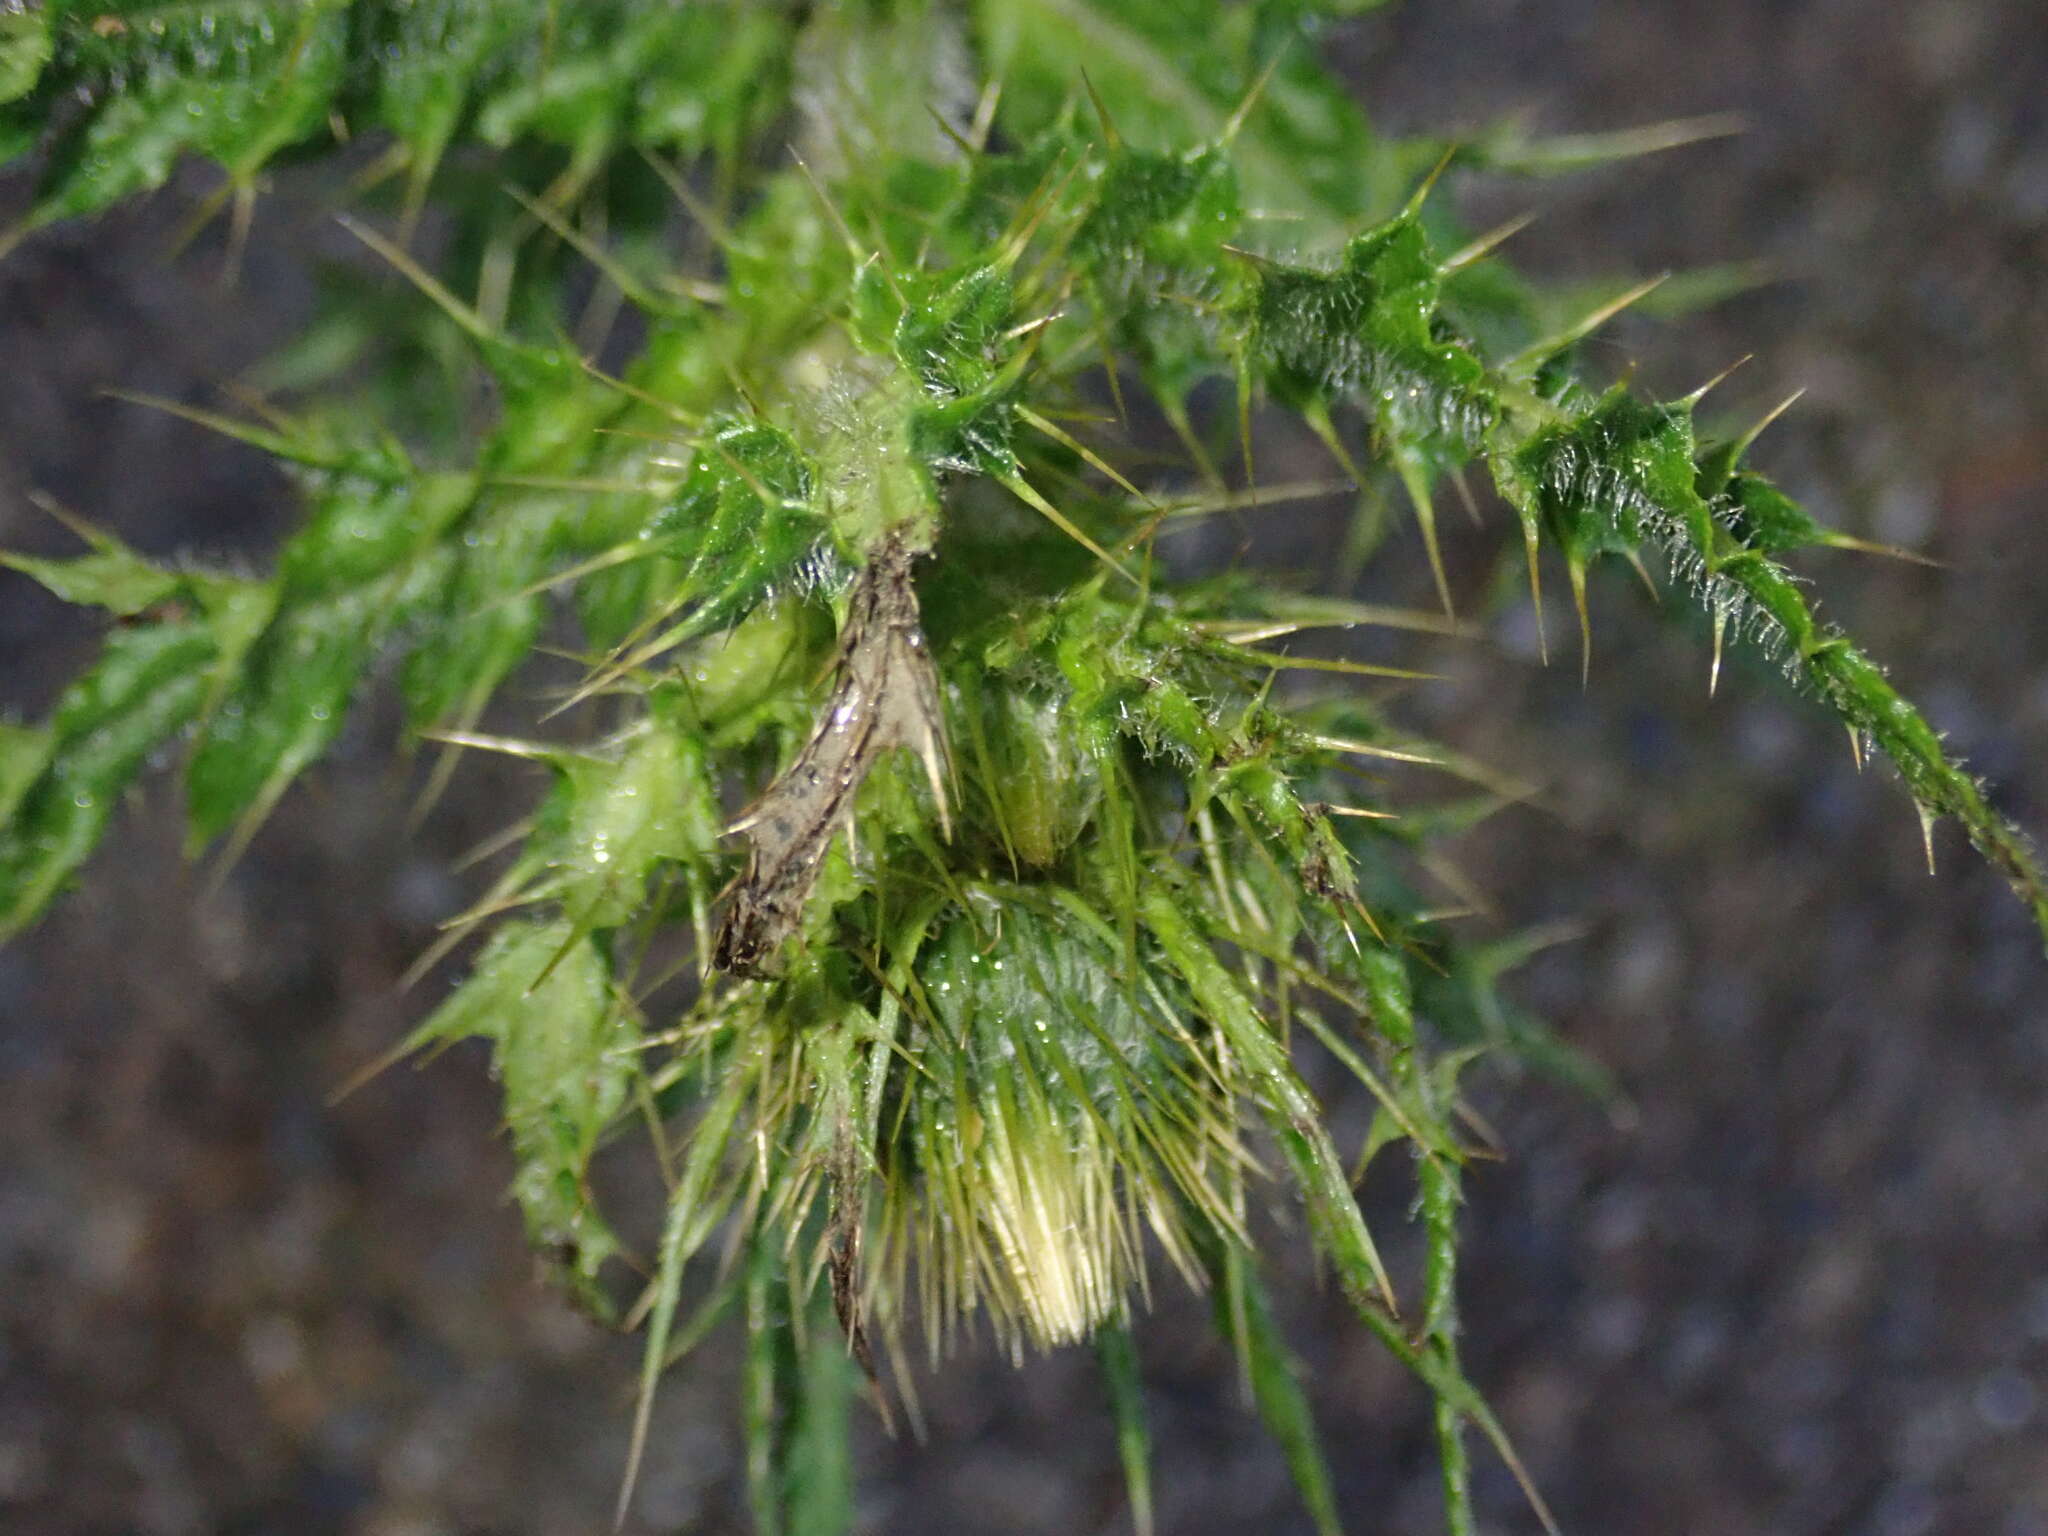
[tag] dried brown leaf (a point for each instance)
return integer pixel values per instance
(886, 695)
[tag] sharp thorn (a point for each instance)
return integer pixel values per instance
(1421, 194)
(1705, 389)
(1415, 478)
(1110, 137)
(1635, 560)
(1742, 443)
(1236, 122)
(1532, 551)
(1486, 243)
(1578, 575)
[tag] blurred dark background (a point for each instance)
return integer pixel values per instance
(1800, 1287)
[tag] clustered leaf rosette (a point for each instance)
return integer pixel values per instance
(954, 883)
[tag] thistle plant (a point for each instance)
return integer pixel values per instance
(934, 872)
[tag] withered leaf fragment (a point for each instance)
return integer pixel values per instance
(886, 694)
(849, 1195)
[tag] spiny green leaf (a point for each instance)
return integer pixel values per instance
(817, 1452)
(740, 527)
(235, 84)
(1152, 251)
(147, 685)
(1116, 1354)
(1174, 74)
(369, 556)
(112, 576)
(285, 710)
(117, 580)
(437, 53)
(1601, 473)
(1041, 786)
(1245, 1318)
(23, 751)
(966, 1093)
(1765, 518)
(1168, 209)
(695, 1206)
(759, 1405)
(361, 531)
(579, 78)
(24, 50)
(1289, 1108)
(563, 1048)
(1370, 329)
(239, 83)
(1390, 992)
(1623, 474)
(487, 618)
(656, 805)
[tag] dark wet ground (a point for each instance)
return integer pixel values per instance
(1803, 1290)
